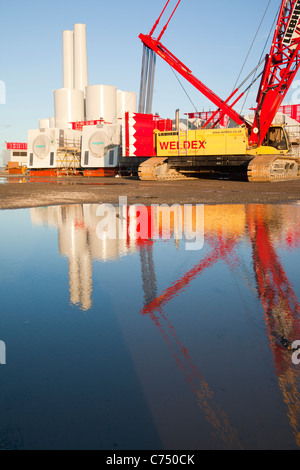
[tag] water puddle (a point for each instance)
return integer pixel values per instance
(150, 328)
(60, 181)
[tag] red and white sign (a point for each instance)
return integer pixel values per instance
(16, 146)
(138, 133)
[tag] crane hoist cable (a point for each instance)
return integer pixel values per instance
(244, 64)
(252, 44)
(261, 57)
(182, 86)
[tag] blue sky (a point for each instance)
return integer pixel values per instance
(211, 38)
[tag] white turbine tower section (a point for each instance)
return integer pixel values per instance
(80, 57)
(68, 59)
(69, 100)
(101, 102)
(44, 124)
(69, 107)
(126, 102)
(52, 122)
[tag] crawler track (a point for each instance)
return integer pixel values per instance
(263, 168)
(271, 168)
(157, 169)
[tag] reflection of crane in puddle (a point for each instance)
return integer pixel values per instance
(153, 307)
(281, 308)
(78, 241)
(281, 314)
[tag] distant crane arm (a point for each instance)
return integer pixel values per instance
(154, 45)
(171, 59)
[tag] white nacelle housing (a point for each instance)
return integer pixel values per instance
(100, 146)
(47, 148)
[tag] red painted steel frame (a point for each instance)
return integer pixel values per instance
(156, 46)
(282, 64)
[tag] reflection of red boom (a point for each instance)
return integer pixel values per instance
(215, 416)
(282, 311)
(221, 251)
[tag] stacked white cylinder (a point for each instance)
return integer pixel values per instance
(69, 107)
(44, 124)
(52, 122)
(80, 57)
(68, 59)
(126, 102)
(101, 103)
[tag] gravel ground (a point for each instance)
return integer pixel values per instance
(80, 190)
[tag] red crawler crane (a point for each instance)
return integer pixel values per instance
(267, 148)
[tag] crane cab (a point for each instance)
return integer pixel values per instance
(276, 142)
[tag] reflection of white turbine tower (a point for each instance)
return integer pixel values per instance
(108, 249)
(73, 243)
(79, 242)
